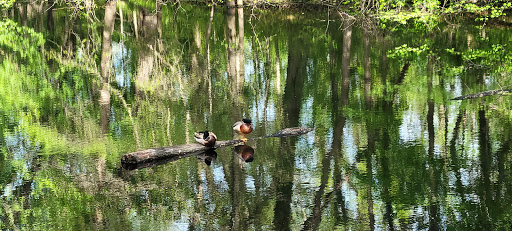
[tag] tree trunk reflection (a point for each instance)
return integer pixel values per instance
(292, 100)
(367, 68)
(146, 59)
(485, 158)
(241, 43)
(432, 163)
(235, 86)
(106, 64)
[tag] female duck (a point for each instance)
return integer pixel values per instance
(243, 128)
(206, 138)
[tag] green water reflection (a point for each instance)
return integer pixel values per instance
(389, 150)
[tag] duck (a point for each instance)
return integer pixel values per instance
(206, 138)
(243, 128)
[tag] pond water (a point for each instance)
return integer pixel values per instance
(389, 150)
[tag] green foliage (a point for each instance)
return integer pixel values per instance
(405, 52)
(484, 10)
(23, 45)
(361, 151)
(495, 58)
(134, 4)
(402, 11)
(6, 4)
(19, 40)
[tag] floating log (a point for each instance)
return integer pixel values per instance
(172, 151)
(201, 155)
(128, 165)
(297, 131)
(185, 150)
(483, 94)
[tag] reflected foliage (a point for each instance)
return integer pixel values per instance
(389, 149)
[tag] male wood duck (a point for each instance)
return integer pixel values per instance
(205, 138)
(243, 128)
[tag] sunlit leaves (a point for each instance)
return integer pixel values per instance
(12, 84)
(497, 57)
(407, 53)
(60, 112)
(484, 10)
(6, 4)
(19, 40)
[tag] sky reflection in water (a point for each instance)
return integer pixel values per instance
(389, 149)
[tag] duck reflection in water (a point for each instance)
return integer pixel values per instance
(244, 152)
(208, 157)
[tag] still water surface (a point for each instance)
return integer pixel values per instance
(389, 150)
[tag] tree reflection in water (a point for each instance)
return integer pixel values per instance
(389, 150)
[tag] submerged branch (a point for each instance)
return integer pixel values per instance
(404, 71)
(482, 94)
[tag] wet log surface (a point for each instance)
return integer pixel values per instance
(483, 94)
(297, 131)
(172, 153)
(165, 160)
